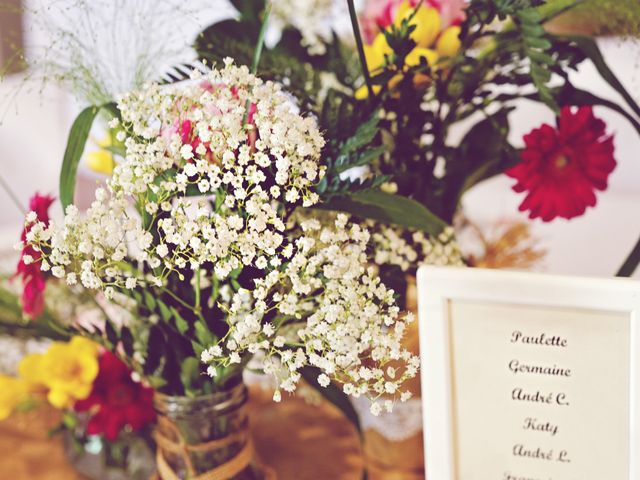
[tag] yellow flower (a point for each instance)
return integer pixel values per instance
(413, 59)
(449, 42)
(376, 52)
(426, 20)
(101, 161)
(13, 391)
(67, 370)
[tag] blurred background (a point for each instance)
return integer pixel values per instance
(35, 118)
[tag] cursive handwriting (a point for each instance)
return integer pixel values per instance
(541, 339)
(531, 423)
(518, 394)
(516, 367)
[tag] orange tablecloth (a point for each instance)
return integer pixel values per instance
(300, 441)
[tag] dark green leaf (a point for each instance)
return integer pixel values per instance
(112, 335)
(590, 48)
(155, 350)
(631, 263)
(127, 341)
(569, 95)
(388, 208)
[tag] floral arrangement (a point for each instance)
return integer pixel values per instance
(80, 378)
(216, 264)
(267, 208)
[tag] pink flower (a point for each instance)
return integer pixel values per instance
(379, 14)
(187, 130)
(33, 280)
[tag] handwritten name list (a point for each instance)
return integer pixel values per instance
(539, 393)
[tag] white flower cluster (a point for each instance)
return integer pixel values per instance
(411, 249)
(228, 135)
(331, 311)
(213, 171)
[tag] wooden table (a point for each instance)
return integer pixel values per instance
(299, 440)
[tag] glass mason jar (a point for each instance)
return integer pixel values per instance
(128, 458)
(208, 434)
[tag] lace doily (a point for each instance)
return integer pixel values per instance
(403, 423)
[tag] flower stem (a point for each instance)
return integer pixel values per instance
(198, 289)
(631, 263)
(257, 53)
(363, 59)
(263, 30)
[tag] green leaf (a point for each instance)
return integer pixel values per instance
(203, 334)
(181, 324)
(590, 48)
(127, 341)
(631, 263)
(149, 301)
(485, 151)
(569, 95)
(155, 350)
(388, 208)
(333, 394)
(112, 335)
(165, 312)
(362, 136)
(549, 10)
(190, 372)
(72, 154)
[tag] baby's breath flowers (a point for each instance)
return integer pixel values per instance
(395, 246)
(214, 169)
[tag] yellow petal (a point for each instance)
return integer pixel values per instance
(449, 42)
(83, 344)
(376, 52)
(427, 24)
(363, 92)
(413, 59)
(101, 161)
(404, 10)
(105, 142)
(13, 391)
(59, 399)
(31, 370)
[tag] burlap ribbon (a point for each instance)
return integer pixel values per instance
(179, 447)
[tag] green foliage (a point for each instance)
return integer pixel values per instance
(75, 147)
(287, 62)
(388, 209)
(12, 321)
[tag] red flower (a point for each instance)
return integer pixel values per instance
(33, 280)
(116, 400)
(561, 168)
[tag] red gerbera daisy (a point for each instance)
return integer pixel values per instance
(116, 400)
(562, 167)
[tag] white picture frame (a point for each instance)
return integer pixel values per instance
(438, 286)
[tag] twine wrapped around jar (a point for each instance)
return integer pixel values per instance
(206, 438)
